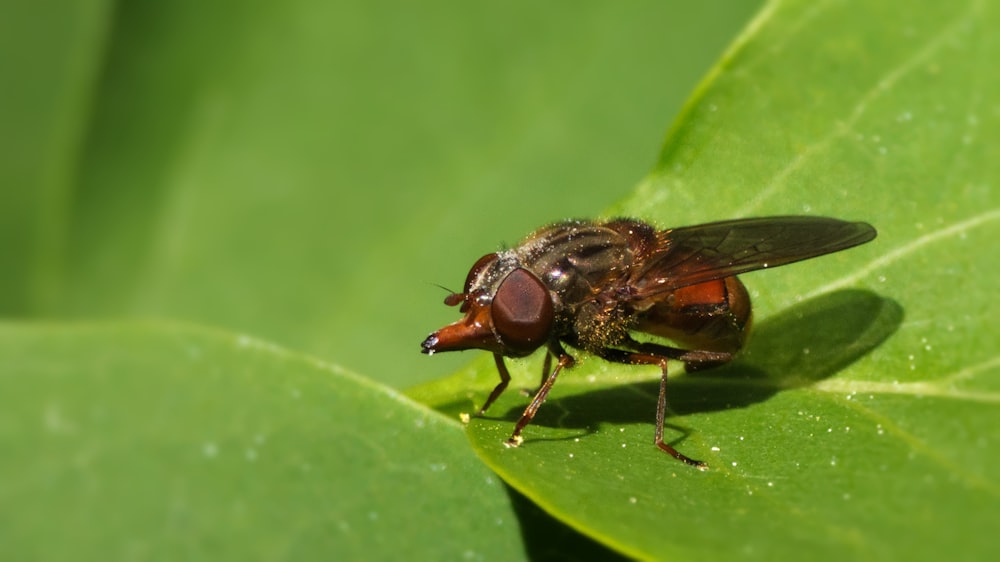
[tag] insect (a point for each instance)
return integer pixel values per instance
(589, 285)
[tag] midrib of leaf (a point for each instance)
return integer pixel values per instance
(938, 388)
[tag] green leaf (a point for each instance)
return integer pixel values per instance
(860, 422)
(129, 441)
(297, 171)
(300, 170)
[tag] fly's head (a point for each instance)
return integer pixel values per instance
(508, 310)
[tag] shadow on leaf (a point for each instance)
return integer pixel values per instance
(546, 539)
(796, 348)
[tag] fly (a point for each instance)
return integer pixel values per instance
(589, 285)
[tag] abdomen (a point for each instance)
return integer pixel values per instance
(711, 316)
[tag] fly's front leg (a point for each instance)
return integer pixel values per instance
(501, 386)
(546, 367)
(565, 361)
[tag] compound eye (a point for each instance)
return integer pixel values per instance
(522, 312)
(477, 269)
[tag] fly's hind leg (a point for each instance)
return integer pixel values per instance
(694, 360)
(653, 354)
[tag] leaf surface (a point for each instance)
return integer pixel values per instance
(169, 442)
(859, 423)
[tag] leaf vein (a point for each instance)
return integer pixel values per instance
(901, 252)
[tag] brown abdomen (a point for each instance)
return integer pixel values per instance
(712, 316)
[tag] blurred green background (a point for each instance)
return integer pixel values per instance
(307, 171)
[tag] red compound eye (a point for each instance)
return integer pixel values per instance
(522, 311)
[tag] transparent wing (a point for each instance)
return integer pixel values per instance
(696, 254)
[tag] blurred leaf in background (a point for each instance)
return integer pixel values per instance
(307, 171)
